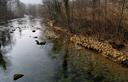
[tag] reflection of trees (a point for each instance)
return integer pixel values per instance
(5, 38)
(5, 41)
(88, 66)
(57, 46)
(2, 61)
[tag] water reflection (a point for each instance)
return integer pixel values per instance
(5, 38)
(5, 44)
(26, 57)
(2, 61)
(87, 66)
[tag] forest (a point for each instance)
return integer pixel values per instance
(104, 19)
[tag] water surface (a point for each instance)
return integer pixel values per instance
(23, 55)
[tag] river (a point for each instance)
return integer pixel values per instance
(24, 56)
(20, 53)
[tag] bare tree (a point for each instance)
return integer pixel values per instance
(67, 10)
(121, 14)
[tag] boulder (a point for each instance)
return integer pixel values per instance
(17, 76)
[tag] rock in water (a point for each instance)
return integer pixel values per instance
(37, 42)
(34, 31)
(42, 43)
(35, 37)
(17, 76)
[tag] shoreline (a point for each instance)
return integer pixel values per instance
(104, 48)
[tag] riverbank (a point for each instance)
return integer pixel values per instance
(103, 47)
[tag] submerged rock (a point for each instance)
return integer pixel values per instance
(17, 76)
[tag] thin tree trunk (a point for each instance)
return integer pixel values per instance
(93, 15)
(106, 15)
(121, 15)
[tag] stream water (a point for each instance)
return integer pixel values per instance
(20, 53)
